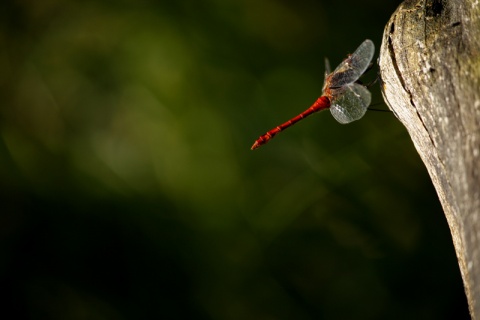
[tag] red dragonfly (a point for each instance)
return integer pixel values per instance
(348, 100)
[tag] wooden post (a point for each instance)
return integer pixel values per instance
(430, 70)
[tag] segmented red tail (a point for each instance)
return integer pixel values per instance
(322, 103)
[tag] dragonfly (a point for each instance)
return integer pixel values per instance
(347, 99)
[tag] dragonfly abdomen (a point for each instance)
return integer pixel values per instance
(320, 104)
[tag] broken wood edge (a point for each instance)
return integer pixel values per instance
(430, 54)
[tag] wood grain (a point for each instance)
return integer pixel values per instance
(430, 71)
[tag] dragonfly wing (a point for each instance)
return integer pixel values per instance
(327, 72)
(354, 65)
(327, 67)
(351, 103)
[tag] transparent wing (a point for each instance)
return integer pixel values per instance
(327, 67)
(353, 66)
(350, 103)
(327, 72)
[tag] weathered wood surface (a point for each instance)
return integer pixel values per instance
(430, 70)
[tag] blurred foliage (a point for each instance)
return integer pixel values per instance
(129, 191)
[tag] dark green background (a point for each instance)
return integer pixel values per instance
(128, 190)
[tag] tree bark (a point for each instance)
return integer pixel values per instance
(430, 70)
